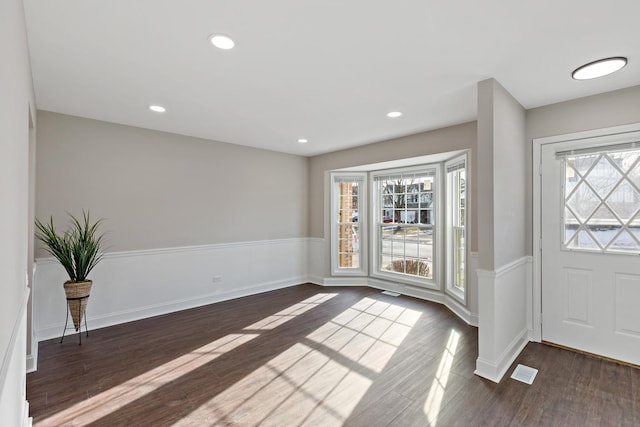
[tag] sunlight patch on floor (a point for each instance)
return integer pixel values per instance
(439, 384)
(289, 313)
(285, 391)
(314, 382)
(368, 333)
(103, 404)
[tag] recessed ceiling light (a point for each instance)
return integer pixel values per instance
(394, 114)
(599, 68)
(222, 41)
(303, 141)
(157, 108)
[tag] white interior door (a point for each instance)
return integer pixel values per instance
(590, 223)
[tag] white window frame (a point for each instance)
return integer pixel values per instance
(450, 274)
(434, 282)
(363, 269)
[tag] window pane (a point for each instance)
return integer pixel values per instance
(456, 250)
(348, 236)
(458, 259)
(407, 249)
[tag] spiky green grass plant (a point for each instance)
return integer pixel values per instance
(78, 249)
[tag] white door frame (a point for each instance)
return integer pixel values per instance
(538, 143)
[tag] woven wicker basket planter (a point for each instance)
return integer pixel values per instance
(77, 298)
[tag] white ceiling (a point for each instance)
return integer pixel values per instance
(325, 70)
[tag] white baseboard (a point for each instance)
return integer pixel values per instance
(459, 310)
(494, 371)
(316, 280)
(345, 281)
(32, 359)
(27, 421)
(13, 405)
(474, 319)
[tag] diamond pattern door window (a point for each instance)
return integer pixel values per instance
(602, 202)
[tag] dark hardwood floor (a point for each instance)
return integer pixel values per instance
(316, 356)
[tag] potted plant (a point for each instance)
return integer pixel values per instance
(78, 250)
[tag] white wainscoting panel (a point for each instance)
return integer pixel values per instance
(502, 331)
(317, 263)
(32, 358)
(577, 289)
(627, 295)
(14, 408)
(139, 284)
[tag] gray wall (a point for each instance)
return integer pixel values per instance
(615, 108)
(509, 157)
(16, 100)
(503, 153)
(158, 190)
(485, 174)
(459, 137)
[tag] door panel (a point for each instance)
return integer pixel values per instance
(576, 292)
(627, 314)
(590, 263)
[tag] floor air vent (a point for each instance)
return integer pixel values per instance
(393, 294)
(524, 374)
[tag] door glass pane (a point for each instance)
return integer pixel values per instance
(602, 200)
(582, 163)
(603, 234)
(628, 160)
(603, 177)
(583, 201)
(571, 177)
(583, 240)
(634, 175)
(624, 200)
(570, 225)
(625, 241)
(634, 227)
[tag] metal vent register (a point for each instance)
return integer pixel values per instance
(524, 374)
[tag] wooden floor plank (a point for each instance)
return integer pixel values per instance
(315, 356)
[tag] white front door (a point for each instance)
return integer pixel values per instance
(590, 244)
